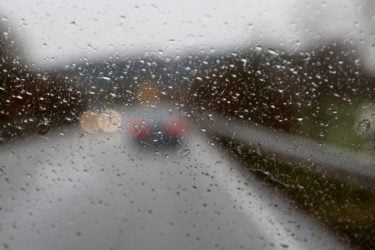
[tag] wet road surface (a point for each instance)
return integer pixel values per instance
(72, 190)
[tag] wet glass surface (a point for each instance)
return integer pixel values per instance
(197, 125)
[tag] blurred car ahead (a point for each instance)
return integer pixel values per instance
(157, 125)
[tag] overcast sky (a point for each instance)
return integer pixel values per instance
(57, 31)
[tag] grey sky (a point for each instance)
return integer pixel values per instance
(56, 31)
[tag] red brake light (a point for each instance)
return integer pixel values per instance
(176, 126)
(139, 127)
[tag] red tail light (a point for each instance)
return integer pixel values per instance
(139, 127)
(175, 126)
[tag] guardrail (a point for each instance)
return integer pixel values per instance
(342, 163)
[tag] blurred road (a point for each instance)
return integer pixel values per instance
(70, 190)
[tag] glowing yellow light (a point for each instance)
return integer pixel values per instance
(147, 93)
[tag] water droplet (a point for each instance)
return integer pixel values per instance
(185, 152)
(273, 52)
(363, 126)
(43, 129)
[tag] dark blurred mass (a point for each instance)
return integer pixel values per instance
(32, 101)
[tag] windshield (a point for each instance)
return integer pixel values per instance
(187, 125)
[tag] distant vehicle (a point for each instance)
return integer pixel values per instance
(155, 125)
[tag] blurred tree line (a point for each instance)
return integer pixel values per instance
(31, 100)
(278, 89)
(315, 92)
(288, 91)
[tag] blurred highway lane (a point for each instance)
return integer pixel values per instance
(71, 190)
